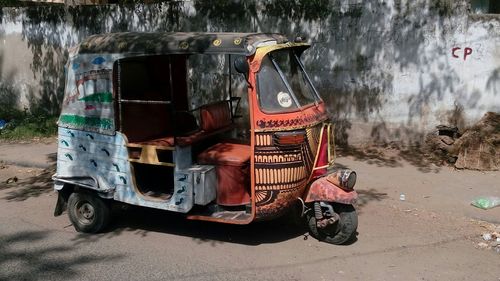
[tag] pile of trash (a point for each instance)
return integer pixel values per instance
(477, 148)
(486, 202)
(3, 123)
(441, 143)
(491, 241)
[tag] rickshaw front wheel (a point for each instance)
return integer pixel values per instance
(88, 212)
(340, 232)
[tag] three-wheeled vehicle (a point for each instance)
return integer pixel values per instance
(224, 127)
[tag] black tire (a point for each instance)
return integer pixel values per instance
(88, 212)
(341, 231)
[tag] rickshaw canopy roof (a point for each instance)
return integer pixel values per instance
(177, 43)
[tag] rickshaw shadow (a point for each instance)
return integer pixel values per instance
(142, 221)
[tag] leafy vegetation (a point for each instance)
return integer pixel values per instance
(24, 125)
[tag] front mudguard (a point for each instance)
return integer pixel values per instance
(323, 190)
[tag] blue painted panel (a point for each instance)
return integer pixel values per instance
(106, 158)
(83, 154)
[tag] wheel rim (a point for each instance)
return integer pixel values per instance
(85, 213)
(331, 230)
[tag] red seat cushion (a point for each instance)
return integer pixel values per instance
(166, 141)
(215, 116)
(230, 154)
(233, 172)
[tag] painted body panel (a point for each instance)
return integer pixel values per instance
(88, 96)
(104, 158)
(323, 190)
(93, 155)
(281, 174)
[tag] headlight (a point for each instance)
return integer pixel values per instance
(345, 179)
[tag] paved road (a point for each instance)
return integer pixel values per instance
(40, 155)
(427, 237)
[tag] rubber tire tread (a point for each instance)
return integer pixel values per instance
(102, 211)
(348, 225)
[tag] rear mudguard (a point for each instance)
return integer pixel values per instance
(61, 205)
(66, 185)
(323, 190)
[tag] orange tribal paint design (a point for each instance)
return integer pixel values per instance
(282, 173)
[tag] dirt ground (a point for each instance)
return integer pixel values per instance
(434, 234)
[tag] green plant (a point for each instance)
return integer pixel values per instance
(22, 125)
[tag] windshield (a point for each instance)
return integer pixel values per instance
(283, 84)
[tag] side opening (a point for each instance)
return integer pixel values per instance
(149, 90)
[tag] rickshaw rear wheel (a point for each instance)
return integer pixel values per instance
(340, 232)
(88, 212)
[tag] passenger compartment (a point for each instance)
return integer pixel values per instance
(164, 137)
(215, 119)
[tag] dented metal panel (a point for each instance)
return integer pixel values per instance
(89, 155)
(323, 190)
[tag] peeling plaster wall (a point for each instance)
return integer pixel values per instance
(389, 70)
(396, 71)
(17, 78)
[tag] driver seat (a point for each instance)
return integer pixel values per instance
(232, 162)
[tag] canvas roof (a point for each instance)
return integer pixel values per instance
(176, 43)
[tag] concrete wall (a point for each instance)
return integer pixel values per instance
(389, 70)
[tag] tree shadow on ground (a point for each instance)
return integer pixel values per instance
(365, 196)
(34, 186)
(394, 156)
(29, 255)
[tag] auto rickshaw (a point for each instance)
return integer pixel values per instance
(146, 122)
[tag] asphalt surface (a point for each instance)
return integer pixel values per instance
(38, 155)
(429, 236)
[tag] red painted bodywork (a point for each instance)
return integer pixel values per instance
(322, 160)
(323, 190)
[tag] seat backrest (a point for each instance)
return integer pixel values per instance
(215, 116)
(141, 122)
(185, 123)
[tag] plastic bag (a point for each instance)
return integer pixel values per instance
(486, 202)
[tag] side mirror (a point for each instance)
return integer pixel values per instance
(241, 65)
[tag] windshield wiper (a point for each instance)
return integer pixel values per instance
(318, 98)
(285, 81)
